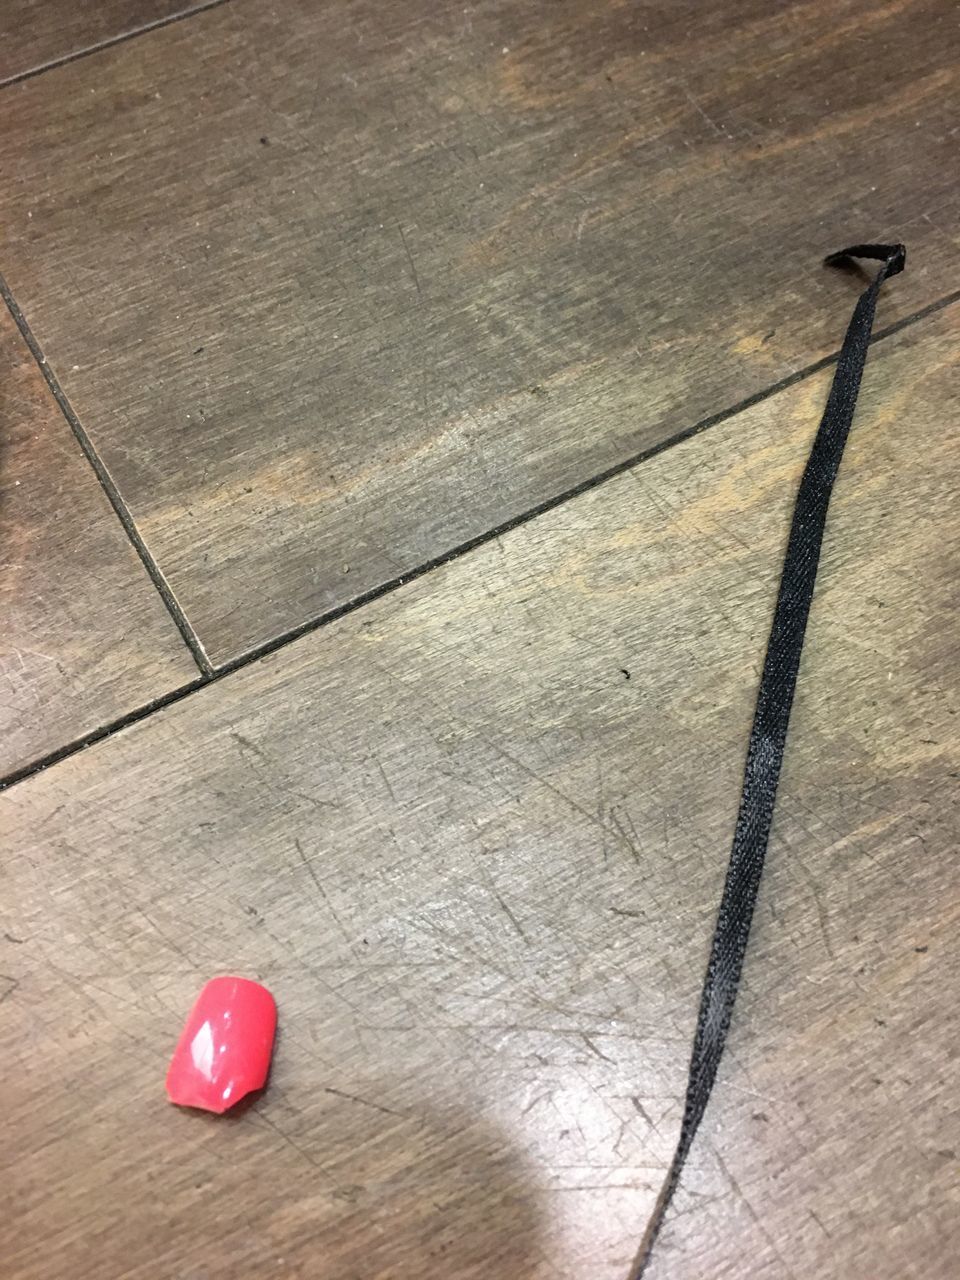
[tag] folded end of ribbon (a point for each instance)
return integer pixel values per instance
(893, 256)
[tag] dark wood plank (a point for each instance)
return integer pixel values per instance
(473, 836)
(34, 33)
(336, 292)
(86, 637)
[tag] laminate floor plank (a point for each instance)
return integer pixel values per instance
(336, 291)
(86, 638)
(472, 836)
(34, 33)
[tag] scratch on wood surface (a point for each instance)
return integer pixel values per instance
(606, 1186)
(174, 946)
(364, 1102)
(314, 800)
(818, 1221)
(601, 803)
(413, 269)
(287, 1140)
(641, 1110)
(701, 111)
(246, 745)
(738, 1192)
(626, 839)
(535, 1102)
(818, 903)
(594, 1050)
(764, 1097)
(274, 776)
(506, 910)
(386, 781)
(562, 795)
(311, 872)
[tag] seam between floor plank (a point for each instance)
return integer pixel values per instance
(109, 43)
(213, 675)
(188, 634)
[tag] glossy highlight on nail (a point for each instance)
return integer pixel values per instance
(225, 1047)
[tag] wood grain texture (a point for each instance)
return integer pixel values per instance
(85, 636)
(34, 33)
(336, 292)
(473, 836)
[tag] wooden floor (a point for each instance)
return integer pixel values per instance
(401, 411)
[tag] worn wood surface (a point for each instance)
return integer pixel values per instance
(473, 836)
(335, 291)
(85, 636)
(36, 32)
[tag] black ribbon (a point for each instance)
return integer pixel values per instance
(770, 721)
